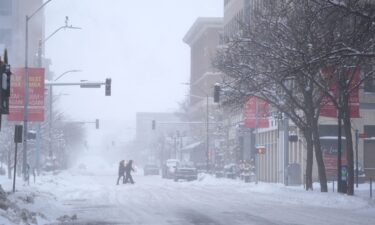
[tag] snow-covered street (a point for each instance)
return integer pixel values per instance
(91, 197)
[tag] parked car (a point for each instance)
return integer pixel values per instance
(230, 171)
(169, 168)
(150, 169)
(186, 172)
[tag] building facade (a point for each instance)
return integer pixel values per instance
(159, 136)
(203, 38)
(12, 29)
(280, 152)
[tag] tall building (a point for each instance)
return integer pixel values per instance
(12, 29)
(203, 38)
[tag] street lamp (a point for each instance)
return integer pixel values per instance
(42, 42)
(26, 88)
(207, 129)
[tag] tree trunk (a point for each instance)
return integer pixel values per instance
(319, 157)
(309, 159)
(349, 148)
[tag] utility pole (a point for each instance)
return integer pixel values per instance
(26, 88)
(286, 148)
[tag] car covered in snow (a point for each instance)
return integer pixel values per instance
(169, 168)
(151, 169)
(186, 171)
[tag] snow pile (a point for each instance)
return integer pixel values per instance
(288, 195)
(15, 208)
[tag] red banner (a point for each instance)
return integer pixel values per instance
(35, 95)
(250, 113)
(327, 108)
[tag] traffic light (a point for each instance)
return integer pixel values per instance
(108, 82)
(153, 124)
(97, 123)
(217, 93)
(5, 74)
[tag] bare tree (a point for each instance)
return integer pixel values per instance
(353, 50)
(279, 57)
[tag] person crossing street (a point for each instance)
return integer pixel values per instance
(128, 169)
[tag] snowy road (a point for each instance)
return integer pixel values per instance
(152, 200)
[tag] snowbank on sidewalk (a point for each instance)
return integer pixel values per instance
(290, 194)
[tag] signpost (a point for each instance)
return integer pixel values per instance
(17, 139)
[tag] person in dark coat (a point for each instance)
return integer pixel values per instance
(128, 169)
(121, 171)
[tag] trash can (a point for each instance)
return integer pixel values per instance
(294, 174)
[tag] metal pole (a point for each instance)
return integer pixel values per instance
(207, 137)
(286, 148)
(26, 88)
(38, 137)
(38, 147)
(356, 157)
(14, 170)
(339, 188)
(25, 99)
(50, 120)
(370, 187)
(256, 142)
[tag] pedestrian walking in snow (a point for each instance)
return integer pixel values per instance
(121, 171)
(128, 169)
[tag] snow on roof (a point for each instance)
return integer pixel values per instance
(191, 146)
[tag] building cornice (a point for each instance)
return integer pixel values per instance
(199, 26)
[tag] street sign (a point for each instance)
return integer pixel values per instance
(261, 150)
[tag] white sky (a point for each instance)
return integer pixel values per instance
(136, 43)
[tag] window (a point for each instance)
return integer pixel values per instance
(5, 7)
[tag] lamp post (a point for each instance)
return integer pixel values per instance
(207, 129)
(26, 88)
(41, 43)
